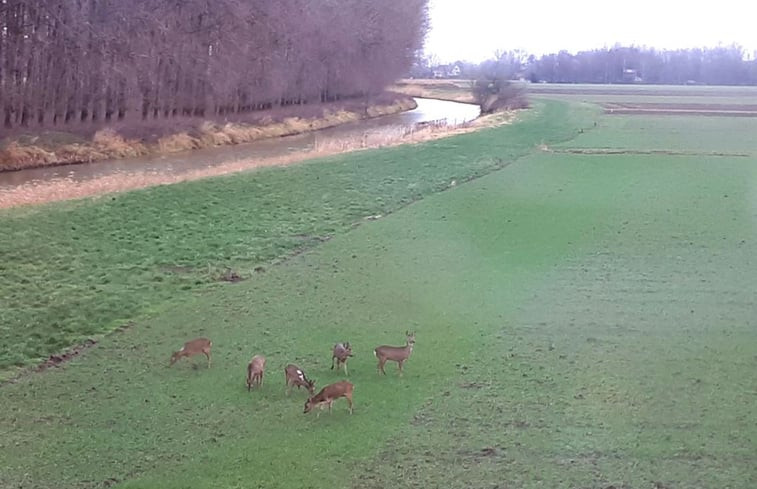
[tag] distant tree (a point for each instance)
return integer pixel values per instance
(495, 94)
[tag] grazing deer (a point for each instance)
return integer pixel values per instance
(193, 347)
(341, 352)
(395, 353)
(328, 395)
(255, 370)
(296, 377)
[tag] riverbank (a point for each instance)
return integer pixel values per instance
(54, 148)
(69, 188)
(98, 263)
(446, 89)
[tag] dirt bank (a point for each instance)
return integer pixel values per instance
(52, 148)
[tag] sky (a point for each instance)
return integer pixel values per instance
(473, 30)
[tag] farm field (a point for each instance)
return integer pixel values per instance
(658, 99)
(584, 318)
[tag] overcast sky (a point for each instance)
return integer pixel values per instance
(473, 29)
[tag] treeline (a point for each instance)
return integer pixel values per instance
(709, 66)
(724, 65)
(96, 61)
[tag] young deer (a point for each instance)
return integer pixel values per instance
(341, 352)
(328, 395)
(296, 377)
(395, 353)
(255, 370)
(193, 347)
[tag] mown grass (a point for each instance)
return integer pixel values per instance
(583, 321)
(76, 270)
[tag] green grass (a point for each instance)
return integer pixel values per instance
(582, 321)
(672, 95)
(77, 270)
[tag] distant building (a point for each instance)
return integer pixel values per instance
(447, 71)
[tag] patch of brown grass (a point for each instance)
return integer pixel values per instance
(78, 153)
(108, 142)
(452, 90)
(15, 156)
(175, 143)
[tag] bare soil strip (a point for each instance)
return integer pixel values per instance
(657, 108)
(621, 151)
(697, 112)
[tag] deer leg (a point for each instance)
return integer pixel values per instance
(330, 403)
(400, 367)
(345, 367)
(207, 354)
(349, 400)
(260, 382)
(381, 366)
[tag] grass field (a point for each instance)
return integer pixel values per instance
(77, 270)
(583, 320)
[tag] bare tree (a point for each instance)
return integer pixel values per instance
(73, 62)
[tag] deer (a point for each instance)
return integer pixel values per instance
(193, 347)
(328, 395)
(341, 352)
(255, 370)
(395, 353)
(296, 377)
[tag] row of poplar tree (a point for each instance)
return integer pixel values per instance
(96, 61)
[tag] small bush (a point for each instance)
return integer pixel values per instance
(497, 94)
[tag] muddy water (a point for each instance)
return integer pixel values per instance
(178, 163)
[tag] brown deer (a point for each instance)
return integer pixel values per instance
(395, 353)
(296, 377)
(328, 395)
(193, 347)
(255, 370)
(342, 352)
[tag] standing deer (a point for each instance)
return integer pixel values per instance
(255, 370)
(193, 347)
(341, 352)
(328, 395)
(296, 377)
(395, 353)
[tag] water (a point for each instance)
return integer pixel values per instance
(428, 110)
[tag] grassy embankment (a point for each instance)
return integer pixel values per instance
(446, 89)
(582, 321)
(129, 140)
